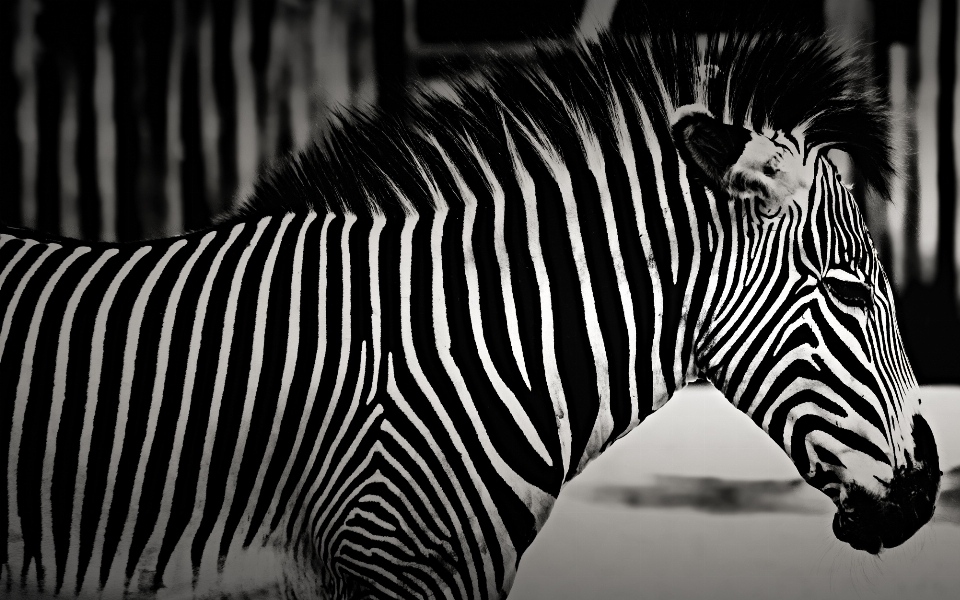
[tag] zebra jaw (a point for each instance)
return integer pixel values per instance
(843, 462)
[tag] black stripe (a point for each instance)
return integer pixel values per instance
(105, 418)
(141, 400)
(673, 293)
(603, 280)
(806, 424)
(268, 388)
(30, 485)
(12, 355)
(235, 388)
(188, 470)
(74, 408)
(571, 344)
(310, 337)
(539, 405)
(334, 278)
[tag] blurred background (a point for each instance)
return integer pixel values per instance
(125, 120)
(133, 119)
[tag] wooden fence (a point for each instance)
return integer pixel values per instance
(123, 119)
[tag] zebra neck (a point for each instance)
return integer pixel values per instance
(585, 262)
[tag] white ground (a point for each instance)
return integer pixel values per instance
(591, 549)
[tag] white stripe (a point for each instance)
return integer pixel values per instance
(27, 244)
(333, 484)
(603, 426)
(405, 568)
(286, 378)
(340, 483)
(743, 350)
(207, 561)
(597, 164)
(123, 409)
(709, 304)
(750, 303)
(254, 371)
(653, 145)
(395, 492)
(318, 367)
(679, 368)
(650, 137)
(18, 292)
(189, 380)
(346, 340)
(373, 581)
(23, 392)
(723, 304)
(528, 191)
(659, 391)
(503, 261)
(506, 395)
(379, 222)
(59, 395)
(97, 345)
(537, 501)
(394, 392)
(410, 356)
(159, 384)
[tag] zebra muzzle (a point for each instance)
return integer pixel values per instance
(871, 524)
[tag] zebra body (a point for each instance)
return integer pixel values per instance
(379, 387)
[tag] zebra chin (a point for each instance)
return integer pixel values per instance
(871, 522)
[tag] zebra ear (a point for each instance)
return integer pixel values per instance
(708, 146)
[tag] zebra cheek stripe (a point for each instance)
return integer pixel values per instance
(809, 349)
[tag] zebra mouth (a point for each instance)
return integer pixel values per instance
(849, 531)
(871, 524)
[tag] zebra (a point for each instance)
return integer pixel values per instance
(373, 378)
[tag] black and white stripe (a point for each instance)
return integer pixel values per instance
(375, 378)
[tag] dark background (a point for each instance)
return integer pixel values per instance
(127, 120)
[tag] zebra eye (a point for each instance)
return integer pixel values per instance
(849, 289)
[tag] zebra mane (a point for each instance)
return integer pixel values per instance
(369, 162)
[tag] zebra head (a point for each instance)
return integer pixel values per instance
(802, 333)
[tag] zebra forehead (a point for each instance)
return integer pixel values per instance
(372, 162)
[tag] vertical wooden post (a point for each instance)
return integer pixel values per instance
(193, 165)
(390, 52)
(24, 66)
(10, 207)
(243, 60)
(49, 114)
(362, 60)
(125, 50)
(927, 93)
(850, 24)
(225, 93)
(85, 158)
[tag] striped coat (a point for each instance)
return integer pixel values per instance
(374, 378)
